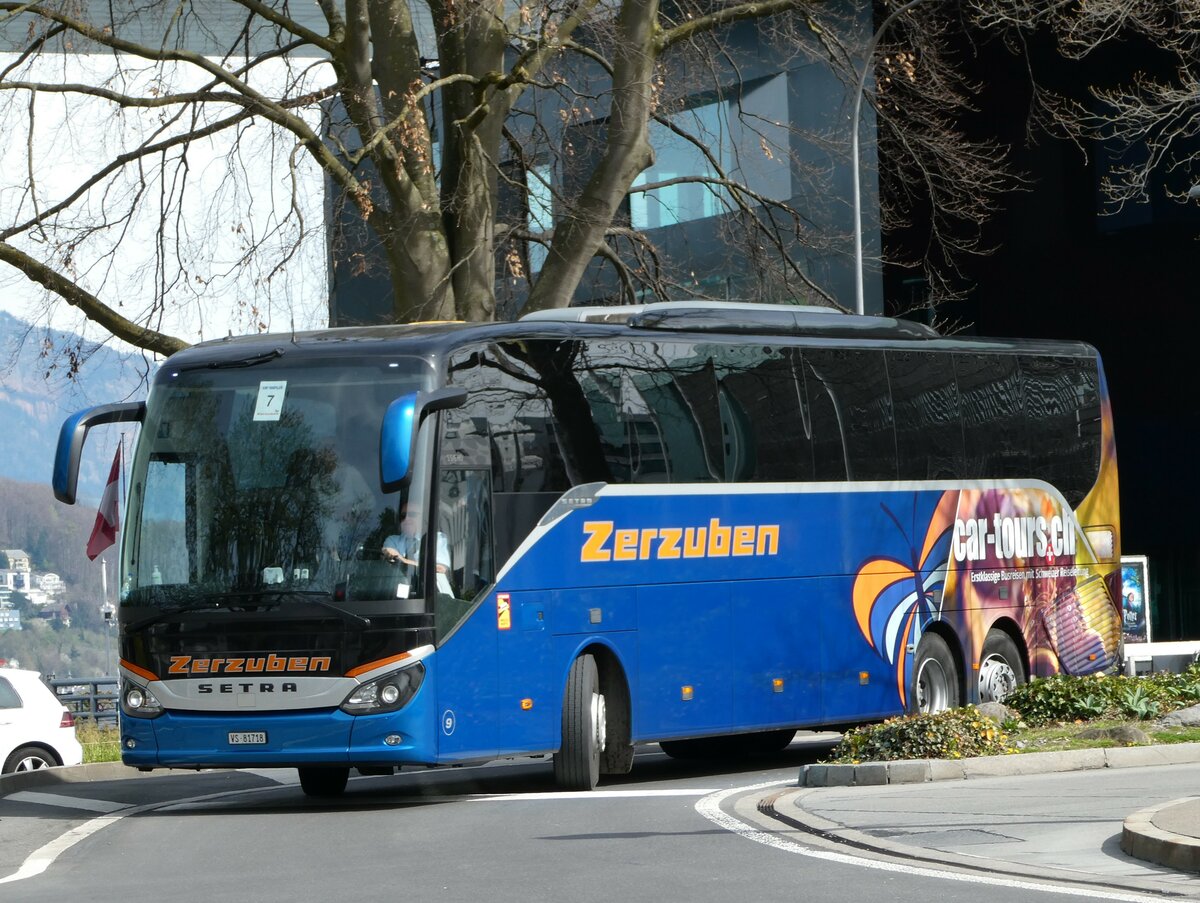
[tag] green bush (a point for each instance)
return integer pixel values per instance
(101, 743)
(955, 734)
(1063, 698)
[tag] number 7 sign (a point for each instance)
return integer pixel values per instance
(270, 400)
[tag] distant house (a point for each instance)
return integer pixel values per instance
(15, 559)
(51, 583)
(10, 619)
(16, 576)
(15, 581)
(15, 573)
(56, 613)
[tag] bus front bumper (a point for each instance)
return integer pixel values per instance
(180, 739)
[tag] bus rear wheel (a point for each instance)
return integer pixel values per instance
(323, 782)
(577, 762)
(935, 677)
(1000, 667)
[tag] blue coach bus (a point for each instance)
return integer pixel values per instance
(700, 525)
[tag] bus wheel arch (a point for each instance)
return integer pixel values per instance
(1002, 663)
(937, 675)
(596, 721)
(617, 755)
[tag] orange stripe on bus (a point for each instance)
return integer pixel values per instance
(140, 672)
(371, 666)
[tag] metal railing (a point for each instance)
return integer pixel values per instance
(94, 698)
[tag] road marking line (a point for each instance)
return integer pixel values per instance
(421, 799)
(43, 857)
(67, 802)
(584, 795)
(285, 776)
(710, 808)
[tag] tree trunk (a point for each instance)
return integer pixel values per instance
(627, 153)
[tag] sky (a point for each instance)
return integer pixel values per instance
(221, 258)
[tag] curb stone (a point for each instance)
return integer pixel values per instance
(1143, 839)
(919, 771)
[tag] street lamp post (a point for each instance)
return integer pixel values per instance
(107, 610)
(859, 301)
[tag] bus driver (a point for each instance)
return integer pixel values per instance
(404, 548)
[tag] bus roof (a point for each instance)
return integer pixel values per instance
(719, 322)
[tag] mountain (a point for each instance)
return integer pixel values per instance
(54, 535)
(37, 394)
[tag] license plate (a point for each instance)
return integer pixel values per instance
(244, 737)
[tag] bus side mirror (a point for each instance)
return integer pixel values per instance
(71, 438)
(398, 437)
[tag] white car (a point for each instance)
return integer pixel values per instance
(36, 730)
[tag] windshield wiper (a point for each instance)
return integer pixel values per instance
(233, 362)
(316, 597)
(165, 613)
(267, 597)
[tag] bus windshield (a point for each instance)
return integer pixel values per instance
(255, 486)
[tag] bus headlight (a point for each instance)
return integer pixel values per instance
(140, 702)
(387, 693)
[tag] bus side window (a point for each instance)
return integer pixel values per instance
(853, 428)
(465, 519)
(675, 387)
(1062, 397)
(929, 439)
(464, 515)
(995, 434)
(764, 422)
(501, 434)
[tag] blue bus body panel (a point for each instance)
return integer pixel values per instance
(468, 708)
(700, 592)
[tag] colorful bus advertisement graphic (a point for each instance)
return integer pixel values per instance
(985, 556)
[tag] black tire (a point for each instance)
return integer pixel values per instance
(577, 762)
(936, 682)
(323, 783)
(1001, 669)
(29, 758)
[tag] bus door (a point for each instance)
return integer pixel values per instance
(465, 621)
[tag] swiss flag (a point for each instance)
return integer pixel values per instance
(108, 518)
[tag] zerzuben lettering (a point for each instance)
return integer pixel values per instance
(272, 664)
(604, 541)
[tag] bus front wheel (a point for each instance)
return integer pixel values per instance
(577, 762)
(323, 782)
(935, 677)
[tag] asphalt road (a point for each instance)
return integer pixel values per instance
(669, 831)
